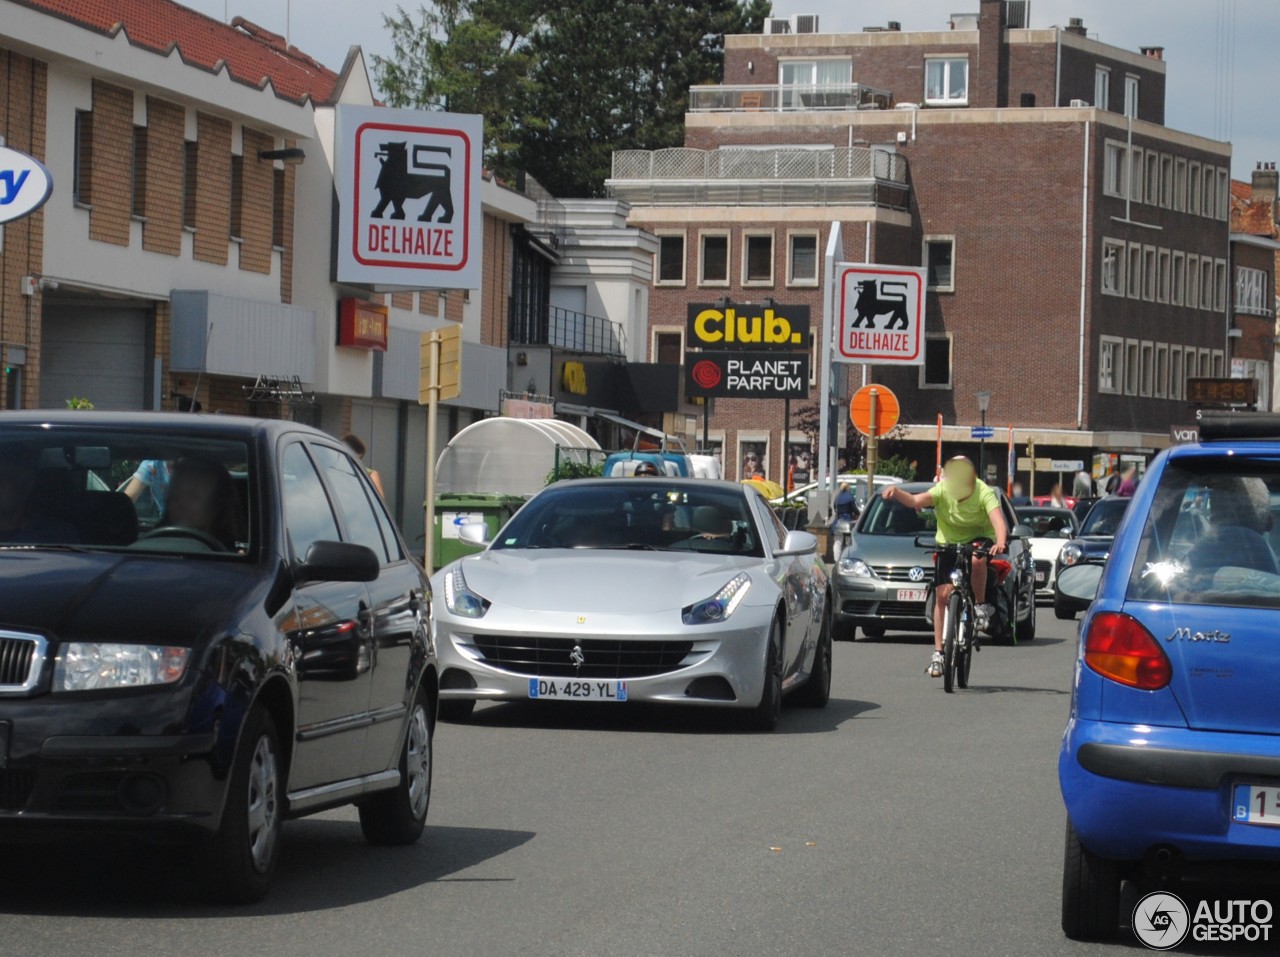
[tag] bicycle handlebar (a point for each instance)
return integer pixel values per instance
(963, 548)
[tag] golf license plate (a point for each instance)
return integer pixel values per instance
(911, 594)
(1256, 804)
(577, 689)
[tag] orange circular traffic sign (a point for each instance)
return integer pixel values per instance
(887, 410)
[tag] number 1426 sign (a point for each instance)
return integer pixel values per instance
(880, 312)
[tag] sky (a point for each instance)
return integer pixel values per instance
(1207, 73)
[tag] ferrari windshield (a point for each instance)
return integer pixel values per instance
(640, 514)
(118, 489)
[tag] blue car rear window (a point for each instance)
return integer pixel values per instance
(1212, 535)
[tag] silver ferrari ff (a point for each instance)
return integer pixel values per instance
(677, 591)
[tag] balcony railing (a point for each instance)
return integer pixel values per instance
(759, 97)
(741, 176)
(565, 329)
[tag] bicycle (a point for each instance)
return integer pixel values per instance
(959, 632)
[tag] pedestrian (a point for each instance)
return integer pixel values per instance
(1018, 497)
(1128, 482)
(1082, 487)
(356, 445)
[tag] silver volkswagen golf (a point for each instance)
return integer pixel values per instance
(677, 591)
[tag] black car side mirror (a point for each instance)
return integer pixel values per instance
(339, 562)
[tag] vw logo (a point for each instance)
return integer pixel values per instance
(916, 574)
(577, 658)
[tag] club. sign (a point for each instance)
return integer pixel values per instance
(25, 185)
(408, 197)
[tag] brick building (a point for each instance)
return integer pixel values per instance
(1077, 248)
(1255, 264)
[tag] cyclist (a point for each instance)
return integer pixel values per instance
(968, 512)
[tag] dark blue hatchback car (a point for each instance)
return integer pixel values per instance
(1171, 756)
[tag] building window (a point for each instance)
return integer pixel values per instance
(1147, 371)
(138, 202)
(1206, 362)
(1193, 282)
(668, 347)
(713, 269)
(1218, 364)
(671, 259)
(946, 81)
(1166, 180)
(1162, 275)
(1206, 283)
(1102, 88)
(805, 74)
(1193, 368)
(1116, 170)
(757, 259)
(939, 261)
(1162, 370)
(1133, 271)
(802, 259)
(1178, 278)
(936, 371)
(190, 160)
(1180, 184)
(1150, 277)
(277, 208)
(1220, 285)
(237, 197)
(83, 159)
(1209, 192)
(1113, 267)
(1109, 364)
(1224, 193)
(1251, 291)
(1177, 378)
(1131, 96)
(1193, 189)
(1152, 178)
(1132, 366)
(1135, 175)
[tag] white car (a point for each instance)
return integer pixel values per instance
(1052, 528)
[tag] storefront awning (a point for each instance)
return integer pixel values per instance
(219, 335)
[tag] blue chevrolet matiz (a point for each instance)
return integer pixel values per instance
(1171, 756)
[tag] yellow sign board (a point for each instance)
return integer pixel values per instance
(444, 376)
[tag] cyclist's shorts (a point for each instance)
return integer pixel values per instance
(944, 563)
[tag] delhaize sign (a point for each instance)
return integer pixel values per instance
(408, 197)
(744, 327)
(881, 314)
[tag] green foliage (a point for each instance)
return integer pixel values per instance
(562, 85)
(575, 470)
(77, 402)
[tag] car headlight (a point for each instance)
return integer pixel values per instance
(853, 567)
(1071, 553)
(720, 605)
(461, 600)
(95, 666)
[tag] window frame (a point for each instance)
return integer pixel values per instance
(1220, 285)
(924, 366)
(1146, 368)
(1160, 377)
(1164, 273)
(1151, 178)
(939, 239)
(1166, 181)
(1115, 173)
(1177, 277)
(1132, 94)
(666, 330)
(1102, 87)
(1192, 299)
(1218, 358)
(1250, 291)
(82, 159)
(792, 236)
(1120, 248)
(1136, 166)
(1209, 191)
(1132, 347)
(1193, 188)
(746, 237)
(683, 236)
(948, 60)
(703, 236)
(1133, 271)
(1150, 274)
(1180, 169)
(1110, 360)
(1177, 372)
(1207, 295)
(1224, 193)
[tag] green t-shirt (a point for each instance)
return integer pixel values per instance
(961, 522)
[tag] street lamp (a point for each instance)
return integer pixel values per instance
(984, 400)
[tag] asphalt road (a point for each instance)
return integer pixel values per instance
(899, 820)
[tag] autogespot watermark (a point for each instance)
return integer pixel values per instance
(1162, 920)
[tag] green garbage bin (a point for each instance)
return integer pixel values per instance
(455, 509)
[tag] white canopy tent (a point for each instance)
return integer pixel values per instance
(508, 456)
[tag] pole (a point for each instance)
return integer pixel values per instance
(786, 444)
(873, 444)
(937, 472)
(982, 449)
(826, 477)
(428, 558)
(706, 422)
(1011, 466)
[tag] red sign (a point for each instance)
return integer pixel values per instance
(362, 325)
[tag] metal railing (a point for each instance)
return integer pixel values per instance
(856, 175)
(765, 97)
(565, 329)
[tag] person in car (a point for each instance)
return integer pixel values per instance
(19, 524)
(646, 468)
(149, 485)
(967, 511)
(202, 496)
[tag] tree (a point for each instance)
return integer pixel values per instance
(563, 85)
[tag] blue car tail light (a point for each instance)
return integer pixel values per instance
(1118, 647)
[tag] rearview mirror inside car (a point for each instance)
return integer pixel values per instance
(1080, 581)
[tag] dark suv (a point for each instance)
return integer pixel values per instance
(208, 625)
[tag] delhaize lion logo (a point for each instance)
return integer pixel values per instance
(396, 183)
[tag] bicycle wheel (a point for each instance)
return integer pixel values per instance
(950, 631)
(964, 650)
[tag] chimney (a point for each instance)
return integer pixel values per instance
(1265, 181)
(1076, 25)
(1156, 53)
(991, 89)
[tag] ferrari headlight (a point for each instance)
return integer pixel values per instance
(461, 600)
(854, 567)
(96, 666)
(720, 605)
(1071, 553)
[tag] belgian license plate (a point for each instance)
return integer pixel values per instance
(911, 594)
(1041, 576)
(577, 689)
(1256, 804)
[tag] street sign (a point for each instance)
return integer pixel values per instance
(982, 432)
(444, 377)
(1037, 464)
(880, 314)
(748, 375)
(25, 185)
(1065, 465)
(887, 410)
(408, 185)
(747, 326)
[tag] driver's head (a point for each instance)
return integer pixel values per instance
(959, 477)
(645, 468)
(202, 496)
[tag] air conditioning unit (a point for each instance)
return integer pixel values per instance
(1018, 14)
(774, 25)
(804, 23)
(1080, 104)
